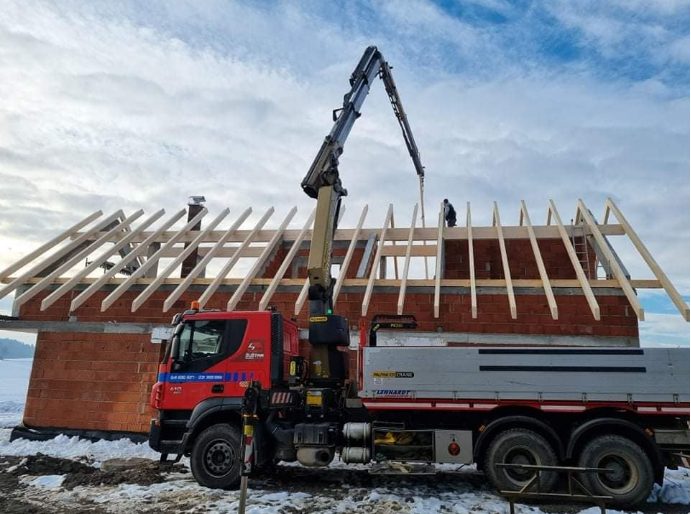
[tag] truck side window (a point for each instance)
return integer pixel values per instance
(204, 343)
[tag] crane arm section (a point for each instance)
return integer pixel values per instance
(323, 181)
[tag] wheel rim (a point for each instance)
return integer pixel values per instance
(621, 476)
(219, 457)
(520, 455)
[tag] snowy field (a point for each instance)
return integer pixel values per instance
(67, 475)
(14, 381)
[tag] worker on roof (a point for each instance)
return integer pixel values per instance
(449, 213)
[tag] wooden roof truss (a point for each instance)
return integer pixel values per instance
(101, 241)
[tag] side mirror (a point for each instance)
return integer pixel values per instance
(176, 319)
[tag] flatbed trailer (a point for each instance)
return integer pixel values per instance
(646, 380)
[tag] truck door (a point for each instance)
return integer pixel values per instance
(199, 361)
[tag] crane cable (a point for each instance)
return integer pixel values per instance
(422, 216)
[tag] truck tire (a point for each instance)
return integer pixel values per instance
(631, 476)
(215, 457)
(519, 446)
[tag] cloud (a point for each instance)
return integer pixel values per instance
(134, 105)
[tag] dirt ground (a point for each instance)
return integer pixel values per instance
(84, 487)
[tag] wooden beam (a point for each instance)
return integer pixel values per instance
(585, 215)
(580, 275)
(182, 287)
(235, 299)
(401, 234)
(140, 249)
(505, 262)
(406, 263)
(540, 264)
(302, 297)
(151, 261)
(375, 265)
(266, 298)
(650, 261)
(49, 245)
(393, 243)
(71, 261)
(471, 263)
(144, 295)
(211, 289)
(63, 252)
(349, 255)
(98, 261)
(437, 266)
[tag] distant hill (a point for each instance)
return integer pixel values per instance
(13, 349)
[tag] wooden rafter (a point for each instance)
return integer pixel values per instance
(375, 263)
(49, 245)
(140, 249)
(127, 246)
(540, 264)
(191, 247)
(150, 262)
(583, 281)
(268, 250)
(201, 265)
(302, 297)
(504, 262)
(585, 216)
(211, 289)
(471, 263)
(61, 254)
(349, 255)
(406, 264)
(74, 259)
(266, 298)
(97, 262)
(648, 258)
(440, 256)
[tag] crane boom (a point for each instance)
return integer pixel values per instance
(324, 183)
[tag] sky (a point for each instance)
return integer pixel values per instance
(132, 105)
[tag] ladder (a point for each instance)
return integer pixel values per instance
(579, 242)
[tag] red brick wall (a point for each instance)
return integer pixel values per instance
(92, 381)
(522, 264)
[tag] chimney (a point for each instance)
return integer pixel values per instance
(194, 206)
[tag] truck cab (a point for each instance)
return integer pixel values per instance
(208, 364)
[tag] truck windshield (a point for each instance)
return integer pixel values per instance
(200, 339)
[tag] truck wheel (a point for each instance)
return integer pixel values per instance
(629, 478)
(215, 458)
(519, 446)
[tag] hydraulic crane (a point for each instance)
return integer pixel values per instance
(323, 182)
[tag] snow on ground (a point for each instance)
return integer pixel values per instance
(293, 489)
(14, 382)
